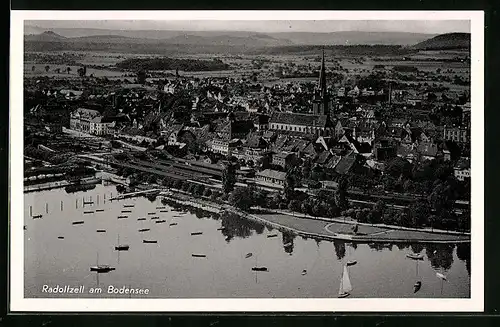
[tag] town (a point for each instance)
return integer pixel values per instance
(318, 160)
(400, 153)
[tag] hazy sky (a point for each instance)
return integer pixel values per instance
(415, 26)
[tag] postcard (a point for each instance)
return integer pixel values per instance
(208, 161)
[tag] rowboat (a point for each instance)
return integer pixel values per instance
(196, 233)
(144, 230)
(198, 255)
(147, 241)
(78, 222)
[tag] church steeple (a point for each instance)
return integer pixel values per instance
(322, 76)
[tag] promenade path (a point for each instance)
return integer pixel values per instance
(337, 230)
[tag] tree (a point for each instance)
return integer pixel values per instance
(419, 213)
(341, 194)
(141, 77)
(33, 68)
(228, 177)
(290, 183)
(294, 205)
(47, 68)
(82, 71)
(207, 192)
(68, 69)
(241, 199)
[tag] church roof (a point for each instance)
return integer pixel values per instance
(290, 118)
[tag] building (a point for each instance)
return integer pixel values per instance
(284, 160)
(271, 176)
(99, 127)
(322, 104)
(456, 134)
(301, 123)
(462, 170)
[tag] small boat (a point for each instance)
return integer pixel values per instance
(129, 205)
(163, 210)
(443, 277)
(99, 210)
(222, 228)
(101, 231)
(151, 213)
(126, 211)
(196, 233)
(144, 230)
(122, 217)
(139, 219)
(87, 212)
(417, 286)
(78, 222)
(272, 235)
(351, 262)
(37, 216)
(288, 244)
(155, 217)
(160, 221)
(345, 284)
(304, 272)
(101, 268)
(88, 202)
(61, 237)
(173, 224)
(198, 255)
(157, 208)
(25, 227)
(248, 255)
(147, 241)
(415, 256)
(121, 247)
(259, 269)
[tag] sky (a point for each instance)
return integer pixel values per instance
(412, 26)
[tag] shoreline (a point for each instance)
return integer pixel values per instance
(323, 233)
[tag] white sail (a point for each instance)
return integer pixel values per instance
(345, 283)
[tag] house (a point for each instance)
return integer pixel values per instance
(98, 126)
(351, 163)
(173, 134)
(427, 151)
(284, 160)
(271, 176)
(462, 169)
(224, 147)
(456, 134)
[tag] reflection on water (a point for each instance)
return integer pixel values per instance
(221, 265)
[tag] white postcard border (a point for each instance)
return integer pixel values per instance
(16, 255)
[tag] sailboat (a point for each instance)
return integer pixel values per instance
(101, 268)
(351, 262)
(121, 247)
(345, 284)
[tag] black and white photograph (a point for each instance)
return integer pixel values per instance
(211, 161)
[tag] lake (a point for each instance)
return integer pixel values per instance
(169, 270)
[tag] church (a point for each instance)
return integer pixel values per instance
(318, 122)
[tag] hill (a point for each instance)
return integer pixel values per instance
(47, 36)
(447, 41)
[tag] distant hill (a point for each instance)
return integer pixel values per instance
(353, 38)
(447, 41)
(47, 36)
(247, 38)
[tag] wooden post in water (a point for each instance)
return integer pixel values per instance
(31, 211)
(46, 208)
(61, 206)
(76, 203)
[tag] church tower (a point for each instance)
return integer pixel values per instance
(321, 101)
